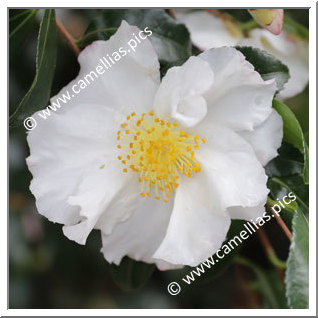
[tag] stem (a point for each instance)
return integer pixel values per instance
(248, 25)
(270, 250)
(281, 223)
(68, 37)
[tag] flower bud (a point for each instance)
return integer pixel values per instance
(270, 19)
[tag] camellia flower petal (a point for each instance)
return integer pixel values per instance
(270, 19)
(291, 50)
(209, 31)
(159, 168)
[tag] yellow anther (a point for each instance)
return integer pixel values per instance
(159, 152)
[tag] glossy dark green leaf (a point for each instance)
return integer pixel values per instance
(19, 27)
(39, 93)
(267, 65)
(289, 161)
(293, 134)
(130, 274)
(170, 38)
(268, 284)
(280, 187)
(297, 273)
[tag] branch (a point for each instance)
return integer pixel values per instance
(281, 223)
(278, 264)
(68, 37)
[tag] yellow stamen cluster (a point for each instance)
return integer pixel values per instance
(159, 151)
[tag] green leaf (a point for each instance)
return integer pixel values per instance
(170, 39)
(282, 186)
(268, 284)
(130, 274)
(288, 162)
(19, 26)
(267, 65)
(297, 273)
(39, 93)
(293, 134)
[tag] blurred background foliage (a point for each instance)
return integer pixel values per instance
(49, 271)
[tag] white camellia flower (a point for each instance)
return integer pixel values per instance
(209, 31)
(159, 168)
(291, 50)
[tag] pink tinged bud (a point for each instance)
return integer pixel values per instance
(270, 19)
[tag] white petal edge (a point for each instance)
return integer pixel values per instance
(195, 232)
(206, 30)
(266, 138)
(62, 149)
(127, 85)
(180, 95)
(239, 98)
(139, 236)
(292, 52)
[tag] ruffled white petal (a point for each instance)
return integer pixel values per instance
(238, 98)
(180, 95)
(62, 149)
(247, 213)
(206, 30)
(195, 230)
(231, 176)
(266, 138)
(75, 173)
(139, 236)
(98, 193)
(127, 85)
(291, 51)
(233, 169)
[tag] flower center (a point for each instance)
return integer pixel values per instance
(158, 151)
